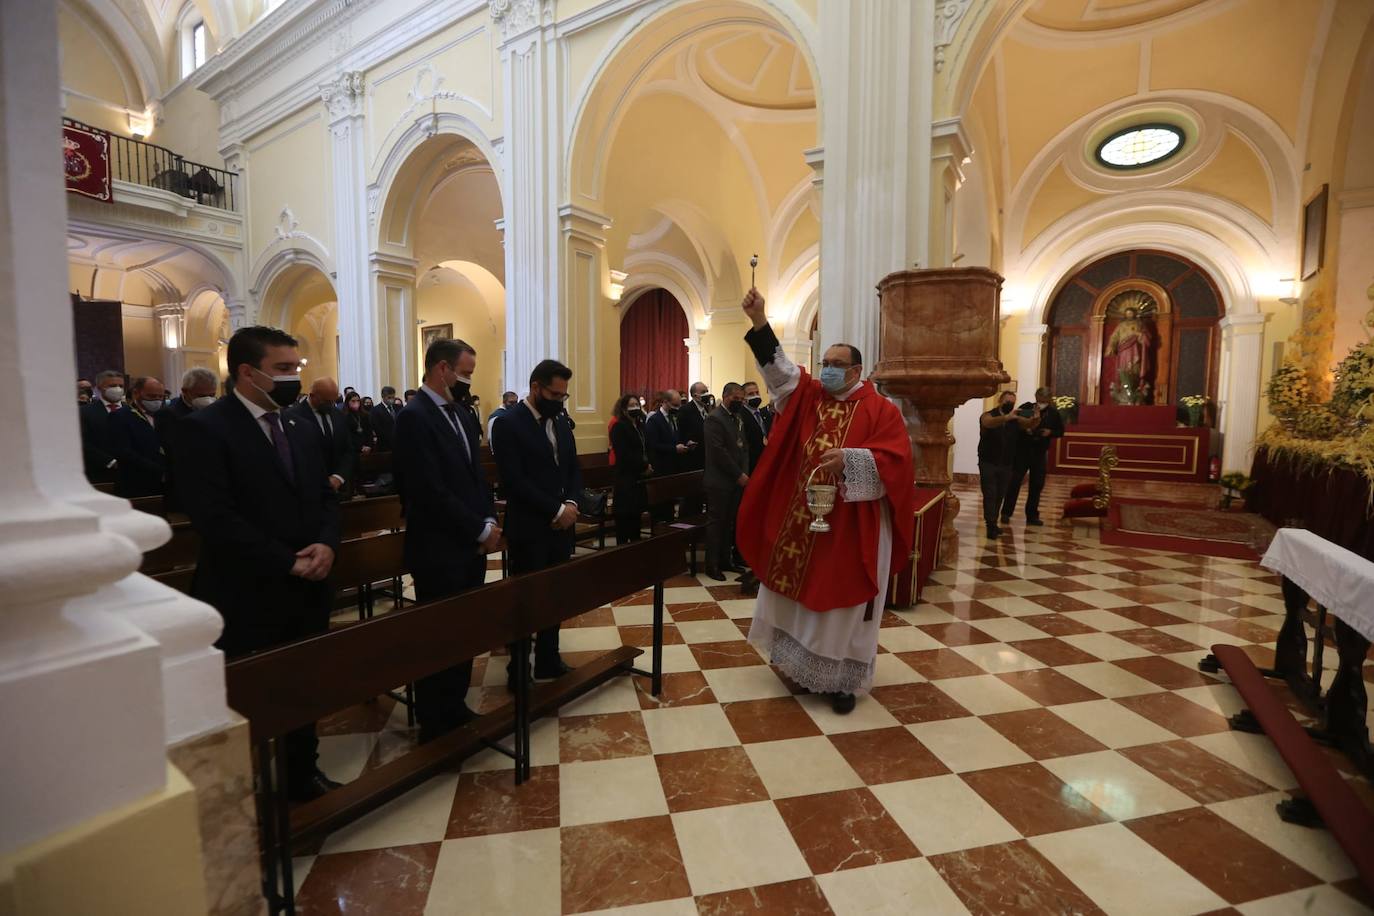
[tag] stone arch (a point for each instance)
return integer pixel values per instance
(284, 259)
(647, 33)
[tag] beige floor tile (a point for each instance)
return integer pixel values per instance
(634, 615)
(890, 889)
(922, 614)
(1112, 724)
(997, 657)
(1014, 605)
(751, 682)
(300, 867)
(738, 607)
(1022, 587)
(868, 713)
(589, 639)
(689, 594)
(1102, 620)
(696, 631)
(1109, 680)
(889, 669)
(943, 814)
(1198, 634)
(676, 659)
(1100, 598)
(505, 873)
(1222, 699)
(1007, 629)
(686, 906)
(1095, 859)
(342, 757)
(616, 695)
(907, 639)
(737, 846)
(419, 816)
(1321, 900)
(801, 766)
(688, 728)
(1117, 785)
(985, 694)
(609, 790)
(1105, 646)
(967, 744)
(1315, 850)
(1255, 754)
(543, 750)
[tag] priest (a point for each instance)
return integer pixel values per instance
(820, 601)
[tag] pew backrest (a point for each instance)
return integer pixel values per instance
(358, 517)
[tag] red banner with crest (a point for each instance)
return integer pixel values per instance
(86, 162)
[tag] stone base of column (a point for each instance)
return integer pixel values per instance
(140, 858)
(220, 770)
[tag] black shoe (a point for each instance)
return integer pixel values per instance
(315, 787)
(715, 574)
(551, 671)
(994, 532)
(1006, 519)
(1034, 521)
(843, 703)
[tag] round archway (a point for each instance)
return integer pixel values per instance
(1144, 319)
(301, 300)
(653, 348)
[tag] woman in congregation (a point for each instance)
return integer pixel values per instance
(631, 467)
(360, 434)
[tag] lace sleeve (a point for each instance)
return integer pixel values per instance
(781, 376)
(861, 480)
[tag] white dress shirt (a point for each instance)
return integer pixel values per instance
(258, 414)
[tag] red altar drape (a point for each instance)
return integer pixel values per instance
(652, 354)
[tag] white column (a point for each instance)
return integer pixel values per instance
(531, 162)
(81, 688)
(343, 98)
(584, 250)
(877, 69)
(1242, 351)
(171, 331)
(238, 311)
(393, 284)
(1029, 353)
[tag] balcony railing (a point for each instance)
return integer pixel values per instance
(158, 167)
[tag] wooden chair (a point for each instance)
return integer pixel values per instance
(1092, 500)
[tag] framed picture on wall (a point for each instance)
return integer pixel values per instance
(1314, 234)
(432, 332)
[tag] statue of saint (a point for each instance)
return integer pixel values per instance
(1131, 348)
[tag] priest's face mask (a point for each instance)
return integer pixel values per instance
(841, 367)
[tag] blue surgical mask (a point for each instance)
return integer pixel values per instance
(832, 379)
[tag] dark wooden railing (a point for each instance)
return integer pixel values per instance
(156, 166)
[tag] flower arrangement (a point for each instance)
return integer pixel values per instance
(1067, 405)
(1233, 485)
(1195, 404)
(1290, 392)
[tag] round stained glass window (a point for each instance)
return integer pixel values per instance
(1140, 146)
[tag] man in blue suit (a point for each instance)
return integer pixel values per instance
(541, 480)
(254, 485)
(135, 443)
(450, 520)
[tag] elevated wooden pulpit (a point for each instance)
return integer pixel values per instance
(938, 347)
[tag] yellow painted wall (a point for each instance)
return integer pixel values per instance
(93, 66)
(190, 127)
(456, 300)
(290, 166)
(1057, 196)
(1236, 173)
(142, 349)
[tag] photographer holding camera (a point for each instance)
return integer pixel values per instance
(1032, 449)
(998, 439)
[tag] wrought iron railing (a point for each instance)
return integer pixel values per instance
(155, 166)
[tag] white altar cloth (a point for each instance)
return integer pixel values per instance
(1337, 579)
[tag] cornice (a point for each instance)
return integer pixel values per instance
(262, 52)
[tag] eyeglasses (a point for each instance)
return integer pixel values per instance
(834, 364)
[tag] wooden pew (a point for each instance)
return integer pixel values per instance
(674, 487)
(358, 517)
(153, 505)
(177, 553)
(285, 688)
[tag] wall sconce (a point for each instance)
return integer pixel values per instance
(304, 362)
(617, 287)
(141, 124)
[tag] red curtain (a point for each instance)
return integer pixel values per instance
(652, 354)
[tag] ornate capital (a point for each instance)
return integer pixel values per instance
(948, 15)
(343, 95)
(516, 17)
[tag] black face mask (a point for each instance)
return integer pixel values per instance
(1005, 408)
(708, 400)
(736, 407)
(672, 409)
(459, 390)
(755, 402)
(635, 413)
(284, 391)
(548, 407)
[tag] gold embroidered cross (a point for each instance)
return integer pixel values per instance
(792, 550)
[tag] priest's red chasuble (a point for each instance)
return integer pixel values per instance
(835, 569)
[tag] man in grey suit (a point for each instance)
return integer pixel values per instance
(727, 463)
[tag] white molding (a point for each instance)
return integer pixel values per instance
(145, 312)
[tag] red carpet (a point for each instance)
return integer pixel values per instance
(1158, 525)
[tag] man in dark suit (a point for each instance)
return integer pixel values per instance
(253, 483)
(755, 428)
(198, 387)
(541, 479)
(662, 437)
(135, 443)
(383, 417)
(727, 464)
(318, 414)
(508, 400)
(96, 451)
(450, 520)
(691, 423)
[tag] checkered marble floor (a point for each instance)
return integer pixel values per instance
(1039, 740)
